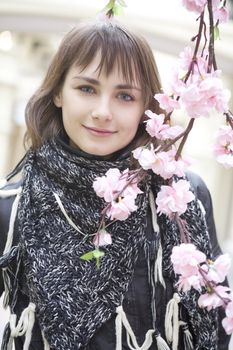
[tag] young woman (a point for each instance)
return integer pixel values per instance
(86, 118)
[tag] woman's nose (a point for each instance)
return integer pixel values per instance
(102, 110)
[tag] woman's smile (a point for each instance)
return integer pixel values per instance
(99, 131)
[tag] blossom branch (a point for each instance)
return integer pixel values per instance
(211, 60)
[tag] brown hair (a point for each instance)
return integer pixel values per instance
(117, 46)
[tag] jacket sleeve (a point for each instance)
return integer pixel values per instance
(204, 196)
(5, 212)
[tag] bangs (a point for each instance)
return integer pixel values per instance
(116, 49)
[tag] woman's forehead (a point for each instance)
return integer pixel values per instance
(99, 66)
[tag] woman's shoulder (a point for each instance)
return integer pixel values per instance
(7, 197)
(201, 190)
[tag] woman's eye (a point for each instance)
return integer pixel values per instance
(126, 97)
(86, 89)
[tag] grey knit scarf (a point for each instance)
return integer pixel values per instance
(73, 299)
(72, 296)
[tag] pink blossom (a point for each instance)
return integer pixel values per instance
(227, 322)
(194, 5)
(102, 238)
(156, 128)
(122, 208)
(215, 298)
(171, 132)
(192, 101)
(161, 163)
(174, 198)
(186, 57)
(166, 102)
(175, 84)
(106, 186)
(186, 259)
(223, 147)
(211, 89)
(115, 188)
(158, 163)
(221, 14)
(200, 96)
(114, 182)
(155, 124)
(218, 269)
(185, 283)
(145, 157)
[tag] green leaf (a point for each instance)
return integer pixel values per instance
(94, 254)
(216, 33)
(109, 5)
(117, 10)
(122, 3)
(97, 253)
(88, 256)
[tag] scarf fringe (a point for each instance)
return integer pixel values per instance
(172, 321)
(66, 215)
(7, 342)
(188, 338)
(121, 319)
(158, 274)
(24, 326)
(161, 343)
(8, 246)
(46, 344)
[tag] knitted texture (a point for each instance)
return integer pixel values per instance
(203, 323)
(73, 299)
(72, 296)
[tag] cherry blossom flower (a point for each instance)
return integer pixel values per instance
(156, 128)
(215, 298)
(221, 14)
(121, 208)
(112, 184)
(155, 124)
(161, 163)
(106, 186)
(166, 102)
(202, 96)
(227, 322)
(174, 198)
(102, 238)
(217, 270)
(194, 5)
(186, 57)
(186, 259)
(171, 132)
(211, 89)
(223, 147)
(185, 283)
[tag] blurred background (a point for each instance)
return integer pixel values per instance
(30, 31)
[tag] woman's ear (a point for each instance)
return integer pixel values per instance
(57, 100)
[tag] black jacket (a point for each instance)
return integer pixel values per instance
(137, 299)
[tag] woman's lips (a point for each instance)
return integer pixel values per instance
(99, 131)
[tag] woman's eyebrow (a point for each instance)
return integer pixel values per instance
(96, 82)
(89, 80)
(128, 87)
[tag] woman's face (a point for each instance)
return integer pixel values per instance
(100, 113)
